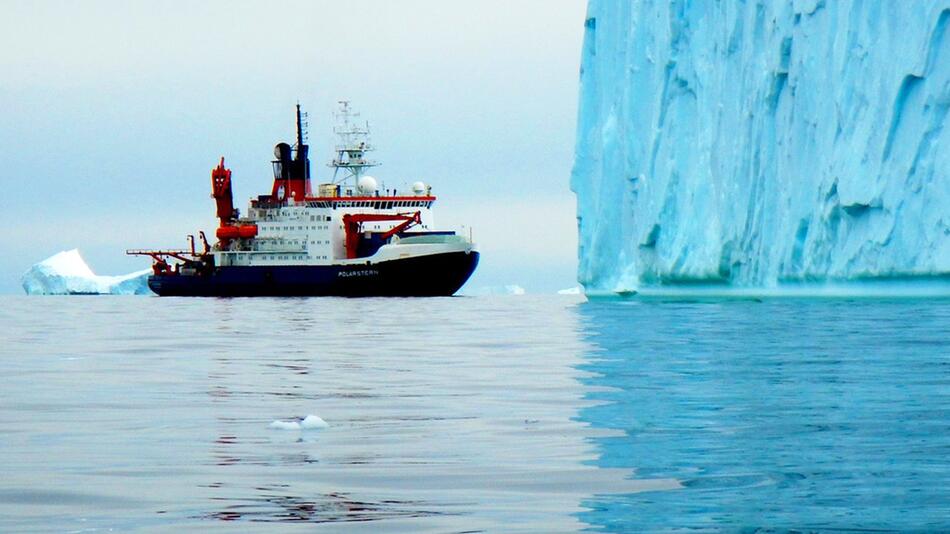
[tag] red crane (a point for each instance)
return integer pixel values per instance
(221, 191)
(223, 197)
(353, 226)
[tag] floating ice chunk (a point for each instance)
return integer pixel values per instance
(510, 289)
(576, 290)
(307, 423)
(313, 421)
(514, 289)
(66, 273)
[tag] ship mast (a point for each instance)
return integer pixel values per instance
(354, 144)
(300, 126)
(302, 150)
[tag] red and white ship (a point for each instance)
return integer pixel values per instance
(355, 237)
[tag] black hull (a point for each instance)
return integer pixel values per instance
(423, 276)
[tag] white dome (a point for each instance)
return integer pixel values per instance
(367, 185)
(419, 188)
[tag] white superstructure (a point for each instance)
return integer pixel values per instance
(312, 230)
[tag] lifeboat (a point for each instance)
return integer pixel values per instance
(245, 231)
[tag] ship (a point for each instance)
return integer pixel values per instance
(354, 238)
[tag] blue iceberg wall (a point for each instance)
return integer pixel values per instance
(763, 143)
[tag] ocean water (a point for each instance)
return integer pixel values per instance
(468, 414)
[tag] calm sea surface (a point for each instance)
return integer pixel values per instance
(533, 414)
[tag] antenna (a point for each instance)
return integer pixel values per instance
(354, 144)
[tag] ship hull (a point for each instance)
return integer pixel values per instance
(421, 276)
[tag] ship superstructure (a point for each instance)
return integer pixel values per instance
(352, 237)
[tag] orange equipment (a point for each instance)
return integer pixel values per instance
(353, 226)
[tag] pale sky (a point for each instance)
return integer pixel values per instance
(112, 115)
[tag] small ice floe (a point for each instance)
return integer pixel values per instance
(510, 289)
(307, 423)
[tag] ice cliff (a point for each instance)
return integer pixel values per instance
(66, 273)
(763, 143)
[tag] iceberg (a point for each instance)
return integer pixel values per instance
(755, 144)
(66, 273)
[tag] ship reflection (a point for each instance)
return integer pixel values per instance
(271, 506)
(498, 423)
(240, 446)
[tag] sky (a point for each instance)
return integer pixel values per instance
(112, 115)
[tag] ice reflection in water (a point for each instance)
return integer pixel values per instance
(800, 415)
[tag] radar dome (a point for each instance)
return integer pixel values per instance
(367, 185)
(419, 188)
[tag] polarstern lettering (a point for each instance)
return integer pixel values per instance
(364, 272)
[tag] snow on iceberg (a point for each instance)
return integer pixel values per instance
(763, 144)
(66, 273)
